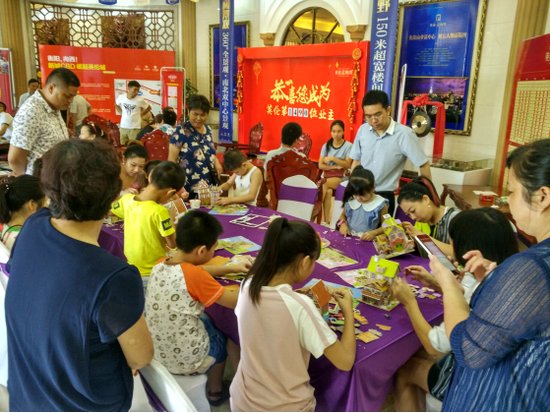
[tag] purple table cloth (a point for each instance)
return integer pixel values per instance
(366, 386)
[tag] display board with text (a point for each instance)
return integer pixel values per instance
(104, 73)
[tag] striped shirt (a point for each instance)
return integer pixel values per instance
(503, 349)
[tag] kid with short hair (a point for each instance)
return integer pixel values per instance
(245, 181)
(148, 228)
(279, 328)
(178, 292)
(363, 208)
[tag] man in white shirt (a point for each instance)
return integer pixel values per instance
(132, 108)
(38, 126)
(32, 86)
(5, 122)
(79, 109)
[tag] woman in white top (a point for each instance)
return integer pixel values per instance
(334, 161)
(245, 181)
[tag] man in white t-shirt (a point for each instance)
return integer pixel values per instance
(5, 122)
(79, 109)
(132, 108)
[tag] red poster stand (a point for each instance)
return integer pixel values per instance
(311, 85)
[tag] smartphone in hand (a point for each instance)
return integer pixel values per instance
(431, 248)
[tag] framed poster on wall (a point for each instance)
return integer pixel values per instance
(241, 39)
(440, 41)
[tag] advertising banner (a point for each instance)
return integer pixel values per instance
(311, 85)
(173, 88)
(226, 73)
(6, 81)
(383, 38)
(104, 73)
(438, 42)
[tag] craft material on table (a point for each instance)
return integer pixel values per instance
(238, 245)
(252, 221)
(332, 258)
(233, 209)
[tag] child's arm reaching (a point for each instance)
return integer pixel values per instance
(255, 183)
(229, 184)
(370, 235)
(171, 241)
(342, 352)
(229, 296)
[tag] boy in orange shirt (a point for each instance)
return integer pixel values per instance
(185, 338)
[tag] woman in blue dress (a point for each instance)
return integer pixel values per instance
(192, 146)
(501, 342)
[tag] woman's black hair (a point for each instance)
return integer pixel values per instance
(94, 130)
(415, 191)
(531, 166)
(285, 242)
(361, 182)
(135, 150)
(331, 140)
(16, 192)
(484, 229)
(199, 102)
(81, 178)
(233, 159)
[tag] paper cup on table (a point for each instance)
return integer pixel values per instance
(195, 203)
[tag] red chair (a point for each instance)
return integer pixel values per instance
(303, 144)
(252, 148)
(156, 143)
(288, 164)
(110, 130)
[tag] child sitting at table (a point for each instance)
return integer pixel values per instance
(279, 328)
(178, 291)
(484, 230)
(20, 197)
(245, 181)
(363, 208)
(148, 228)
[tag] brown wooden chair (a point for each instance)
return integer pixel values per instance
(303, 144)
(289, 164)
(109, 129)
(252, 148)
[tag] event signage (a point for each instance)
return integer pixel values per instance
(382, 46)
(6, 81)
(310, 85)
(437, 44)
(226, 73)
(173, 88)
(104, 73)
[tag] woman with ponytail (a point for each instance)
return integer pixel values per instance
(279, 328)
(20, 197)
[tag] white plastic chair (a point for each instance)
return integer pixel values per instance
(337, 205)
(297, 197)
(163, 391)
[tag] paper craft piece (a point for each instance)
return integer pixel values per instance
(251, 221)
(233, 209)
(320, 296)
(238, 245)
(355, 292)
(177, 206)
(375, 332)
(383, 327)
(360, 318)
(218, 260)
(324, 242)
(331, 258)
(367, 337)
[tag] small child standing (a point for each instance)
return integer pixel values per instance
(363, 208)
(178, 291)
(20, 197)
(148, 227)
(279, 328)
(245, 181)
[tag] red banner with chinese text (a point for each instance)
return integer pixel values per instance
(104, 73)
(173, 88)
(311, 85)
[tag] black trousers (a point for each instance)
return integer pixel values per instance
(390, 196)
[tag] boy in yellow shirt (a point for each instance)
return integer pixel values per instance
(148, 228)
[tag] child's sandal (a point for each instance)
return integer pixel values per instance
(218, 398)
